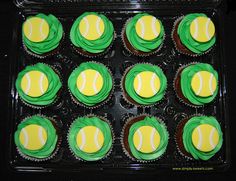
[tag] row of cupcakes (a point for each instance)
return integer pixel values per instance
(92, 34)
(144, 138)
(91, 84)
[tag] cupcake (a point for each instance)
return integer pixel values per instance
(143, 35)
(42, 35)
(194, 34)
(90, 84)
(38, 85)
(196, 84)
(92, 34)
(144, 138)
(36, 138)
(90, 138)
(199, 137)
(143, 84)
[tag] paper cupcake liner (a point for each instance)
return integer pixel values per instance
(122, 138)
(76, 101)
(95, 55)
(54, 153)
(112, 133)
(134, 102)
(142, 54)
(54, 101)
(187, 157)
(176, 46)
(47, 54)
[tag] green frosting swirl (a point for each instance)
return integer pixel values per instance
(187, 39)
(139, 43)
(164, 136)
(53, 39)
(80, 123)
(54, 84)
(100, 96)
(187, 136)
(50, 144)
(92, 46)
(186, 78)
(133, 72)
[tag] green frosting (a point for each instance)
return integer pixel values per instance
(139, 43)
(92, 46)
(186, 38)
(100, 96)
(187, 136)
(50, 144)
(53, 39)
(186, 78)
(54, 84)
(164, 136)
(129, 79)
(81, 122)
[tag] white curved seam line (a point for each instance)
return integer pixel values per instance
(97, 26)
(211, 138)
(139, 84)
(83, 139)
(152, 83)
(41, 83)
(200, 86)
(200, 138)
(41, 29)
(30, 29)
(96, 138)
(41, 139)
(26, 138)
(94, 82)
(142, 28)
(28, 83)
(196, 29)
(140, 139)
(154, 30)
(210, 84)
(207, 27)
(87, 27)
(83, 83)
(152, 139)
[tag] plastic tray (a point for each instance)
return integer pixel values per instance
(171, 110)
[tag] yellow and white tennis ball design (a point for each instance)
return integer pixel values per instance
(148, 27)
(34, 83)
(204, 84)
(202, 29)
(89, 82)
(146, 84)
(146, 139)
(33, 137)
(36, 29)
(91, 27)
(90, 139)
(205, 137)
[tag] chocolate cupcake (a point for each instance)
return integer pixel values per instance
(91, 84)
(143, 84)
(42, 35)
(37, 138)
(143, 35)
(38, 85)
(196, 84)
(199, 137)
(92, 34)
(194, 34)
(90, 138)
(144, 138)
